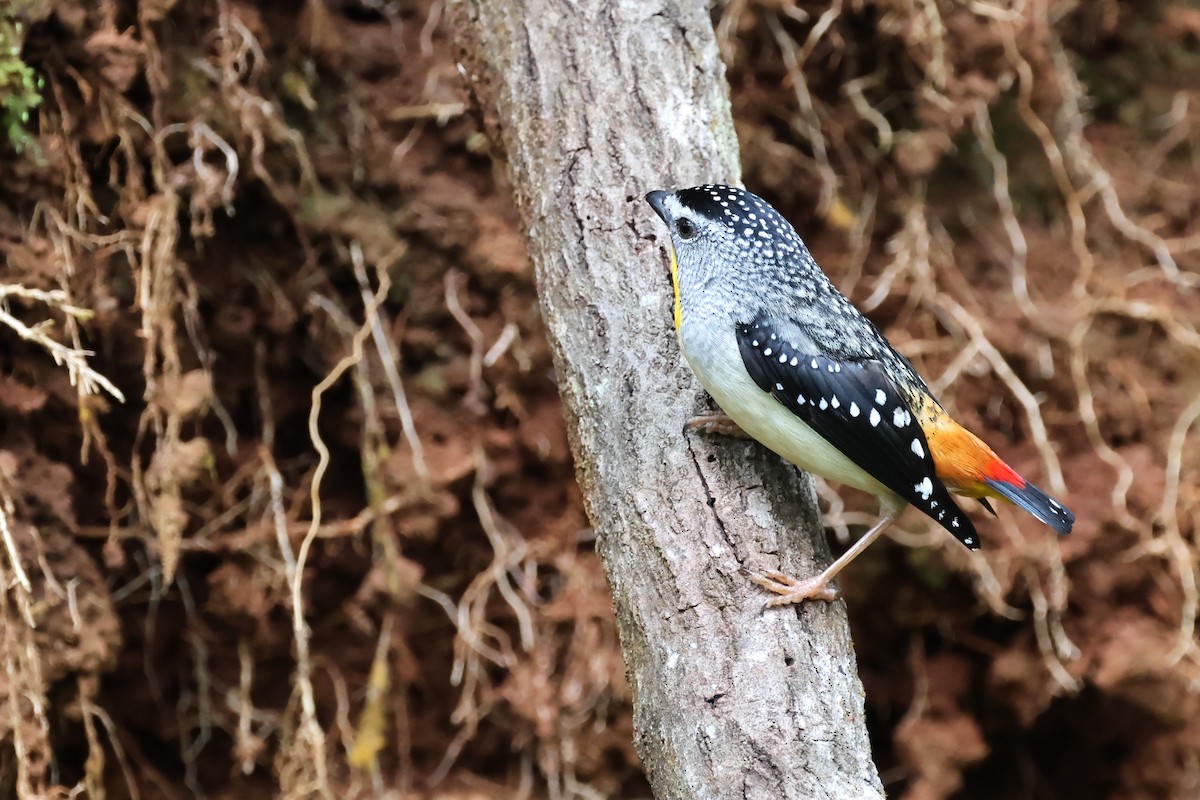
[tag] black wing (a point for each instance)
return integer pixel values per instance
(858, 409)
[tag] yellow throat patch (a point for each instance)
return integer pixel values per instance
(675, 284)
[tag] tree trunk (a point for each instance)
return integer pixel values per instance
(595, 103)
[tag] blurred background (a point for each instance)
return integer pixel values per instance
(284, 237)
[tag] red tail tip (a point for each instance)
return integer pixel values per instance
(997, 470)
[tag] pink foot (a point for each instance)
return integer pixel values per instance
(716, 423)
(791, 590)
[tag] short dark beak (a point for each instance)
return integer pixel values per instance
(656, 199)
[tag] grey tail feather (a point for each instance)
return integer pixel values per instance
(1037, 503)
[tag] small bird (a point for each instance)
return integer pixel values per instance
(793, 364)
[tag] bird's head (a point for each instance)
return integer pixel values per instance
(727, 239)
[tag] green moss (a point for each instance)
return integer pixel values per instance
(20, 86)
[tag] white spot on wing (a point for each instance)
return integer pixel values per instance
(924, 488)
(853, 409)
(874, 417)
(917, 448)
(880, 397)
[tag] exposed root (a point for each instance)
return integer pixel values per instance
(74, 359)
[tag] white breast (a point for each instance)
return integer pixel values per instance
(712, 352)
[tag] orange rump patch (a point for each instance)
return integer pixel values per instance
(962, 460)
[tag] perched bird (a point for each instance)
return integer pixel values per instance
(792, 363)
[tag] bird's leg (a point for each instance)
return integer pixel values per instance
(715, 423)
(791, 590)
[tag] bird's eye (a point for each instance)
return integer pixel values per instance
(685, 229)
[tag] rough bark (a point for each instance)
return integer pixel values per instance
(594, 103)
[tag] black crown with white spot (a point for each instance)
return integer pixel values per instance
(755, 225)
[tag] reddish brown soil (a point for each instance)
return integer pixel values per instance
(207, 176)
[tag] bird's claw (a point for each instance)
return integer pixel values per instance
(791, 590)
(715, 423)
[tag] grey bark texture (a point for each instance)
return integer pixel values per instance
(594, 103)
